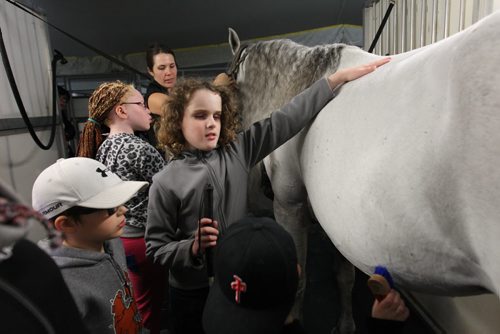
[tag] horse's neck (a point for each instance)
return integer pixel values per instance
(354, 56)
(264, 92)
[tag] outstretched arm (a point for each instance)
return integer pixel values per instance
(265, 136)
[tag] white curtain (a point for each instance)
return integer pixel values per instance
(27, 41)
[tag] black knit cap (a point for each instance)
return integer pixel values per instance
(256, 279)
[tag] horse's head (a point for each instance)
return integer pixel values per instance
(269, 73)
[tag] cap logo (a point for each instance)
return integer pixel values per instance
(103, 172)
(52, 208)
(238, 286)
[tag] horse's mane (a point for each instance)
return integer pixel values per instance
(275, 71)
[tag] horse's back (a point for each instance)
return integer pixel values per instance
(402, 167)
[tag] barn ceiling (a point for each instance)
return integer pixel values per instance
(128, 26)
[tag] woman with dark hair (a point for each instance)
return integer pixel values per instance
(162, 66)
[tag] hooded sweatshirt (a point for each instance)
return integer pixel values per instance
(101, 288)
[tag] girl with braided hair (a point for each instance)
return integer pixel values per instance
(120, 108)
(101, 102)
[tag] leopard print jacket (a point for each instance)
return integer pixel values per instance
(132, 159)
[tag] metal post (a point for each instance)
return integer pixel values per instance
(434, 21)
(373, 16)
(379, 15)
(423, 11)
(385, 33)
(366, 19)
(475, 11)
(461, 21)
(446, 18)
(487, 8)
(412, 24)
(394, 32)
(403, 27)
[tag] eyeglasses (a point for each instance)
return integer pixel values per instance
(137, 103)
(79, 210)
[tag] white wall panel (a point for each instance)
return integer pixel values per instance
(416, 23)
(29, 52)
(413, 24)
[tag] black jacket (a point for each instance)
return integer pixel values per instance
(33, 292)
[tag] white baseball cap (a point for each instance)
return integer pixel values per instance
(80, 182)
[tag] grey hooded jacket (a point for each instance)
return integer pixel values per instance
(176, 193)
(100, 286)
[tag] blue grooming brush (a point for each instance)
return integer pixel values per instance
(380, 283)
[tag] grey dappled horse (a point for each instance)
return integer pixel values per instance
(402, 167)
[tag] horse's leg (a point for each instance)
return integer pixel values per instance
(345, 281)
(290, 209)
(260, 193)
(294, 217)
(344, 275)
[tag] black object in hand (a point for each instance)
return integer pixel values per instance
(208, 212)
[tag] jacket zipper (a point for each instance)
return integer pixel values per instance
(215, 180)
(121, 275)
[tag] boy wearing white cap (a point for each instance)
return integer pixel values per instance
(85, 202)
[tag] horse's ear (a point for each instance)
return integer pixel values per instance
(234, 41)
